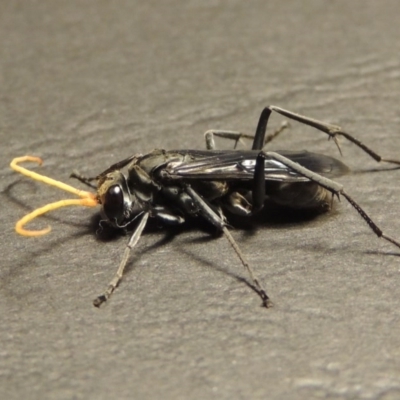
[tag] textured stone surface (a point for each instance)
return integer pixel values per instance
(84, 84)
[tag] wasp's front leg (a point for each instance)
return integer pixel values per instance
(98, 301)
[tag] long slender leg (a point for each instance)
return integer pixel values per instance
(218, 222)
(238, 136)
(260, 140)
(98, 301)
(269, 138)
(232, 135)
(334, 187)
(259, 137)
(258, 192)
(333, 131)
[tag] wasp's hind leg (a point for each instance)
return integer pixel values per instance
(333, 131)
(332, 186)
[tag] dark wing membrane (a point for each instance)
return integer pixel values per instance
(327, 166)
(239, 165)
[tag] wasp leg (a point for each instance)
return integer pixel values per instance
(166, 215)
(208, 213)
(333, 131)
(258, 192)
(238, 204)
(231, 135)
(98, 301)
(259, 138)
(332, 186)
(238, 136)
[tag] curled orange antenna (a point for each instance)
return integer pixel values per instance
(87, 199)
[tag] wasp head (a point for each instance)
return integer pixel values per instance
(115, 198)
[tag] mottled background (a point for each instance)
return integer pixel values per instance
(87, 83)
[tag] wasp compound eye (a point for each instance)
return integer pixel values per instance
(113, 204)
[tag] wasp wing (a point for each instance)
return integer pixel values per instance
(240, 165)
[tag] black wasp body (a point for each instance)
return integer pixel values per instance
(170, 185)
(157, 182)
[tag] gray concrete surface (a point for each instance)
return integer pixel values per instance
(85, 84)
